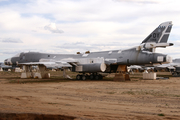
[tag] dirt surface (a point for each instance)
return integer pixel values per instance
(58, 98)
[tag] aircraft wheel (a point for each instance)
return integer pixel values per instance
(84, 77)
(100, 77)
(91, 76)
(97, 77)
(78, 77)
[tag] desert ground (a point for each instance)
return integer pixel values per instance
(58, 98)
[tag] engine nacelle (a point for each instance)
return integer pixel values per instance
(92, 67)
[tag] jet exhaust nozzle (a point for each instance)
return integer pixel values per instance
(171, 44)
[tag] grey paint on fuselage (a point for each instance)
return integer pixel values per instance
(36, 56)
(140, 55)
(124, 57)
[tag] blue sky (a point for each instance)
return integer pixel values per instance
(69, 26)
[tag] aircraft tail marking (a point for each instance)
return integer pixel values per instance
(160, 34)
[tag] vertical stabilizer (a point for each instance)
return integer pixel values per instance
(160, 34)
(158, 38)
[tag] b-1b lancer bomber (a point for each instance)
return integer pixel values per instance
(90, 65)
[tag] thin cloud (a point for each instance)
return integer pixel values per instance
(3, 0)
(33, 31)
(52, 27)
(177, 43)
(85, 46)
(11, 40)
(138, 1)
(77, 45)
(97, 24)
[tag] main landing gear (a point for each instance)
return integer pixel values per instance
(92, 76)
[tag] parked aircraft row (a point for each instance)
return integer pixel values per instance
(90, 64)
(173, 67)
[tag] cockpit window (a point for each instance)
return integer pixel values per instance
(17, 55)
(23, 56)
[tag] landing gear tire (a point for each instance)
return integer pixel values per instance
(100, 77)
(84, 77)
(91, 77)
(78, 77)
(97, 77)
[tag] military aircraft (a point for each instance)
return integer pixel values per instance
(6, 67)
(90, 64)
(140, 68)
(173, 67)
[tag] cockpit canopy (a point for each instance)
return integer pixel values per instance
(17, 55)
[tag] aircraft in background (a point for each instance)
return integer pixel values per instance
(140, 68)
(173, 67)
(5, 67)
(91, 63)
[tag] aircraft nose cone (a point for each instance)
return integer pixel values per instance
(8, 61)
(5, 61)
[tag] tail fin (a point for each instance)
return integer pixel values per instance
(158, 38)
(160, 34)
